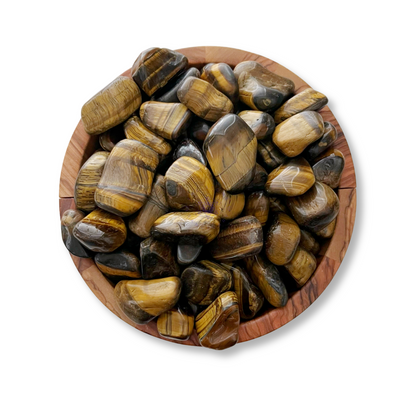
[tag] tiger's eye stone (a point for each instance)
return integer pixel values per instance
(111, 137)
(69, 220)
(168, 120)
(261, 89)
(241, 238)
(101, 231)
(204, 281)
(191, 230)
(198, 129)
(315, 209)
(154, 67)
(230, 147)
(269, 155)
(158, 259)
(260, 122)
(87, 180)
(228, 206)
(308, 242)
(126, 181)
(188, 147)
(259, 180)
(189, 185)
(319, 146)
(258, 205)
(136, 130)
(297, 132)
(177, 324)
(217, 326)
(329, 167)
(203, 99)
(277, 204)
(144, 300)
(222, 77)
(111, 106)
(328, 231)
(307, 100)
(292, 178)
(156, 206)
(250, 298)
(168, 94)
(266, 277)
(118, 265)
(302, 266)
(282, 239)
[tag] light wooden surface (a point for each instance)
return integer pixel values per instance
(82, 145)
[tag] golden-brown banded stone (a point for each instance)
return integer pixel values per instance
(111, 106)
(189, 185)
(259, 179)
(328, 167)
(144, 300)
(292, 178)
(204, 281)
(222, 77)
(156, 206)
(241, 238)
(322, 144)
(217, 326)
(302, 266)
(168, 120)
(126, 181)
(177, 323)
(158, 259)
(203, 99)
(168, 94)
(87, 180)
(228, 206)
(101, 231)
(136, 130)
(315, 209)
(261, 89)
(269, 155)
(282, 239)
(154, 67)
(328, 231)
(297, 132)
(198, 129)
(188, 147)
(266, 277)
(70, 218)
(250, 298)
(260, 122)
(258, 204)
(118, 265)
(277, 204)
(230, 148)
(308, 242)
(307, 100)
(191, 230)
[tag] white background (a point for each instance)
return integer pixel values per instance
(352, 352)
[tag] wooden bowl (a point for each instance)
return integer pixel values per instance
(82, 145)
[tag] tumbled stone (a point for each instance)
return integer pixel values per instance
(328, 167)
(292, 178)
(277, 204)
(230, 148)
(302, 266)
(269, 155)
(297, 132)
(328, 231)
(154, 67)
(118, 265)
(258, 204)
(111, 137)
(126, 181)
(188, 147)
(282, 239)
(241, 238)
(228, 206)
(177, 323)
(222, 77)
(319, 146)
(70, 218)
(308, 242)
(217, 326)
(260, 122)
(259, 179)
(101, 231)
(204, 281)
(144, 300)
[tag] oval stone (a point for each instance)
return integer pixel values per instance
(222, 77)
(258, 205)
(329, 167)
(118, 265)
(228, 206)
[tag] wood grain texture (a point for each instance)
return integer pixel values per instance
(82, 145)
